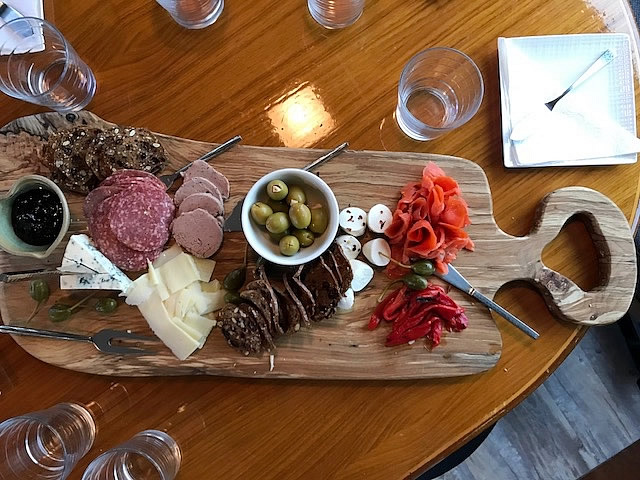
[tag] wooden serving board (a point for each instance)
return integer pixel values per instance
(341, 347)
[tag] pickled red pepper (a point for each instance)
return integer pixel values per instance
(417, 314)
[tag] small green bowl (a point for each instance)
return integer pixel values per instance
(9, 242)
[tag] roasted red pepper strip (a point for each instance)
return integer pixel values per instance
(376, 317)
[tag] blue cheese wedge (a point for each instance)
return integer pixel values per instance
(96, 281)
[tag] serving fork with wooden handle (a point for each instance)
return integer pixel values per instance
(106, 341)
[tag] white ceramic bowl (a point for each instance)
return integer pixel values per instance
(317, 191)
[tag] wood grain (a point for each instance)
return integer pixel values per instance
(240, 76)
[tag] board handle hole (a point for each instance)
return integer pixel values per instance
(575, 256)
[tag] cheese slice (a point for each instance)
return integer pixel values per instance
(179, 272)
(169, 254)
(201, 324)
(192, 332)
(81, 256)
(207, 302)
(212, 286)
(177, 339)
(96, 281)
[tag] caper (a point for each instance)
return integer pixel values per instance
(106, 305)
(235, 279)
(276, 237)
(300, 215)
(305, 237)
(260, 212)
(277, 206)
(39, 290)
(423, 267)
(59, 312)
(319, 219)
(296, 195)
(277, 190)
(415, 281)
(289, 245)
(277, 222)
(232, 297)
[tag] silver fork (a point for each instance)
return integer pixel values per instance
(103, 340)
(223, 147)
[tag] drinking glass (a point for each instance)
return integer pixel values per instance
(335, 13)
(149, 455)
(193, 14)
(45, 445)
(39, 66)
(440, 89)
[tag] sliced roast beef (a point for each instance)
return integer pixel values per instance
(202, 169)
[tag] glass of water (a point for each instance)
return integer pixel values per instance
(149, 455)
(38, 65)
(335, 13)
(193, 14)
(440, 89)
(47, 444)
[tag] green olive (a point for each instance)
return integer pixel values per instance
(39, 290)
(296, 195)
(289, 245)
(423, 267)
(305, 237)
(59, 312)
(277, 222)
(276, 237)
(235, 279)
(260, 212)
(106, 305)
(277, 190)
(232, 297)
(277, 206)
(319, 219)
(300, 215)
(415, 281)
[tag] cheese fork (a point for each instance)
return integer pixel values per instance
(103, 340)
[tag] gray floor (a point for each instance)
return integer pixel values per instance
(586, 412)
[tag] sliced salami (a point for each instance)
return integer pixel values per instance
(198, 232)
(200, 168)
(127, 176)
(206, 201)
(141, 218)
(196, 185)
(122, 256)
(97, 196)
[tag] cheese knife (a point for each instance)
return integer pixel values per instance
(234, 222)
(455, 278)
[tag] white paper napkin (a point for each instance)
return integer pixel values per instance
(592, 125)
(28, 8)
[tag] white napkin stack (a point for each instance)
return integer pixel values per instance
(28, 8)
(594, 124)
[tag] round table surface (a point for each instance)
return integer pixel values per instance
(233, 78)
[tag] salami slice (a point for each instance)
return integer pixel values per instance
(141, 218)
(127, 177)
(122, 256)
(97, 196)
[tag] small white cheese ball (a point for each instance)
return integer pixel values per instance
(362, 275)
(346, 302)
(350, 245)
(379, 218)
(353, 221)
(375, 251)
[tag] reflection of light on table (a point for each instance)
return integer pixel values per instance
(299, 117)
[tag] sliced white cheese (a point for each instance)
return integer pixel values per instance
(212, 286)
(169, 254)
(179, 342)
(156, 280)
(362, 275)
(192, 332)
(346, 302)
(96, 281)
(179, 272)
(140, 291)
(170, 303)
(377, 251)
(205, 268)
(200, 324)
(350, 245)
(185, 302)
(379, 218)
(208, 302)
(353, 221)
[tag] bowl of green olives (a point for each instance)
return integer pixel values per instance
(290, 216)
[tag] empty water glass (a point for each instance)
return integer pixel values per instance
(149, 455)
(335, 13)
(440, 89)
(39, 66)
(193, 13)
(45, 445)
